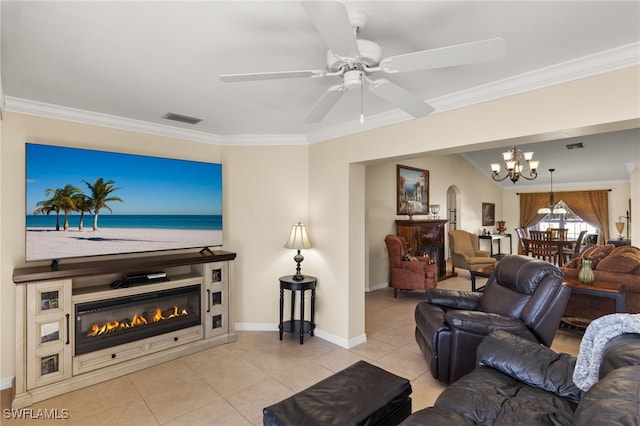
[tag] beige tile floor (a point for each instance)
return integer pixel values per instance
(230, 384)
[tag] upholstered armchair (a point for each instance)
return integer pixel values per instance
(408, 272)
(523, 296)
(465, 253)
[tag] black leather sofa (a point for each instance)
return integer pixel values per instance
(518, 381)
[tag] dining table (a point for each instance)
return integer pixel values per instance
(563, 248)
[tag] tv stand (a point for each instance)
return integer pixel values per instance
(206, 250)
(47, 364)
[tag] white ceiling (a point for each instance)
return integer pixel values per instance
(139, 60)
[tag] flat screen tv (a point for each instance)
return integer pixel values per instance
(83, 202)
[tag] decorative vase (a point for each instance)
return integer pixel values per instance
(586, 273)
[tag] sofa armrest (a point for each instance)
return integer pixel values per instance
(530, 363)
(454, 299)
(415, 267)
(483, 323)
(461, 254)
(483, 253)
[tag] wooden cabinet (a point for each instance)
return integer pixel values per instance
(425, 236)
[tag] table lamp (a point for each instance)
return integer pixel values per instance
(298, 239)
(620, 228)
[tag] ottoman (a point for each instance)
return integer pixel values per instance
(361, 394)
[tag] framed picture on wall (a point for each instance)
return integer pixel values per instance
(412, 187)
(488, 214)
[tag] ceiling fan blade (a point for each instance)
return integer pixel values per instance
(331, 19)
(459, 54)
(326, 102)
(232, 78)
(399, 97)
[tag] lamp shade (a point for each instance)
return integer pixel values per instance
(556, 210)
(298, 238)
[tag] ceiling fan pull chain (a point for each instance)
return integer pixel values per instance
(361, 98)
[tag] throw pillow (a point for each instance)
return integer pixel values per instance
(576, 260)
(622, 259)
(592, 252)
(598, 254)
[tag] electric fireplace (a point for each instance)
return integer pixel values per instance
(110, 322)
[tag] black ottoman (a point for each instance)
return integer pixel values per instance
(361, 394)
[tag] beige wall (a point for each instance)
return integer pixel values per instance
(265, 191)
(268, 188)
(337, 212)
(444, 171)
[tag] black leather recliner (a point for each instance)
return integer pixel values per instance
(523, 296)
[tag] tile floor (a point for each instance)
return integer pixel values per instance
(230, 384)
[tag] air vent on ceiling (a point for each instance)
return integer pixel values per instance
(182, 118)
(575, 145)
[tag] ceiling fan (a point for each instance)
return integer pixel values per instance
(354, 61)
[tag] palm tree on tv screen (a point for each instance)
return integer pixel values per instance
(100, 196)
(83, 204)
(63, 199)
(47, 207)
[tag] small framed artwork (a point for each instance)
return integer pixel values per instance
(412, 186)
(488, 214)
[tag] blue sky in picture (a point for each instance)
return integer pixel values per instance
(147, 185)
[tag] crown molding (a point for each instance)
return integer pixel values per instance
(587, 66)
(248, 140)
(26, 106)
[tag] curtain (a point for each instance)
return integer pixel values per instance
(529, 205)
(590, 206)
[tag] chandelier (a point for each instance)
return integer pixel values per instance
(517, 163)
(551, 207)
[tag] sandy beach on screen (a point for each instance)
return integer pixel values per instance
(47, 244)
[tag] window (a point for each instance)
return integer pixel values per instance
(569, 220)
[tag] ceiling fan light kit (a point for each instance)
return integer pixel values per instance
(355, 60)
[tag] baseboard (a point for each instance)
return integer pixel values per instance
(376, 287)
(332, 338)
(255, 326)
(6, 383)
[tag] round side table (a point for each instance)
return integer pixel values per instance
(300, 326)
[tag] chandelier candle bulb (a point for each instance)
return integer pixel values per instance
(518, 165)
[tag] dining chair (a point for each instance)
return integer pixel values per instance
(578, 245)
(546, 250)
(522, 237)
(539, 235)
(558, 233)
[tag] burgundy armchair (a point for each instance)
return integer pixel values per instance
(408, 272)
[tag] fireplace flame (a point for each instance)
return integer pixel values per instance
(136, 321)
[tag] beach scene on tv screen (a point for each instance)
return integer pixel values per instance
(89, 203)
